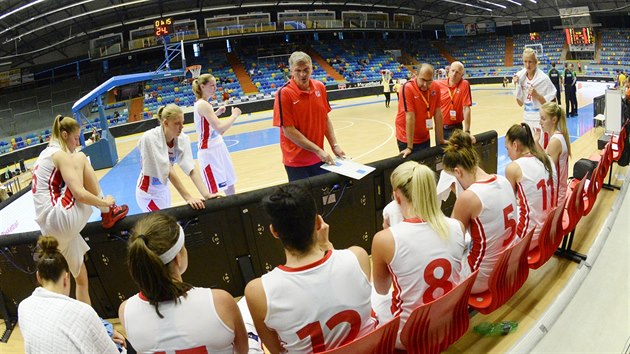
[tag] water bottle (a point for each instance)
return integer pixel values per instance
(496, 329)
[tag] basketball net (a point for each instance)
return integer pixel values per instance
(195, 70)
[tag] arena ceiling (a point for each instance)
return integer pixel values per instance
(35, 28)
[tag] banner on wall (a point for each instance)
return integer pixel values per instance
(454, 29)
(471, 29)
(486, 27)
(10, 78)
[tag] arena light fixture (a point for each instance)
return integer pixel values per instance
(491, 3)
(514, 2)
(469, 5)
(45, 15)
(23, 7)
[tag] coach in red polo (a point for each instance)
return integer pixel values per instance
(455, 101)
(418, 110)
(301, 111)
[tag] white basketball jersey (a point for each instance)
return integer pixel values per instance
(424, 266)
(562, 167)
(494, 229)
(205, 134)
(319, 306)
(49, 187)
(191, 325)
(536, 196)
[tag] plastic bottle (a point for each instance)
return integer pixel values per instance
(496, 329)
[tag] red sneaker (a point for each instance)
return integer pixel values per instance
(115, 213)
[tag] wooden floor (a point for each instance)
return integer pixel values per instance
(365, 131)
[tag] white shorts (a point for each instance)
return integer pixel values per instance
(158, 197)
(66, 225)
(216, 167)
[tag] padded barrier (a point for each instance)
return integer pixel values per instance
(229, 242)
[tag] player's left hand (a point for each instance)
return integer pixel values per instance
(196, 203)
(338, 151)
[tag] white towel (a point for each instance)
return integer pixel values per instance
(154, 152)
(444, 186)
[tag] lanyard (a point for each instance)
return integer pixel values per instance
(452, 94)
(426, 100)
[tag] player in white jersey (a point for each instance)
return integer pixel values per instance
(553, 121)
(533, 88)
(216, 166)
(64, 190)
(533, 179)
(423, 256)
(169, 315)
(320, 298)
(487, 207)
(160, 148)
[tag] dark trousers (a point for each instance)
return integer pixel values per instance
(296, 173)
(388, 98)
(416, 147)
(450, 128)
(558, 94)
(570, 98)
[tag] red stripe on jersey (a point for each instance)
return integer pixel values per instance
(478, 250)
(397, 302)
(308, 266)
(489, 180)
(152, 206)
(212, 183)
(68, 199)
(205, 133)
(55, 183)
(144, 183)
(524, 211)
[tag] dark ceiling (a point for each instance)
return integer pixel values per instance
(36, 28)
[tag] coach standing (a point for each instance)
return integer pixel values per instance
(301, 111)
(418, 106)
(455, 101)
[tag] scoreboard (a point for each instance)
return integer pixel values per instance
(579, 36)
(163, 27)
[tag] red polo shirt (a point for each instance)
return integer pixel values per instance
(423, 104)
(454, 98)
(308, 113)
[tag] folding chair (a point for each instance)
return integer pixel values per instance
(434, 326)
(381, 340)
(508, 276)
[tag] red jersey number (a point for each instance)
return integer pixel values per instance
(314, 329)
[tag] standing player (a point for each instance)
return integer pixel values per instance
(169, 315)
(553, 122)
(301, 111)
(486, 207)
(214, 158)
(418, 106)
(425, 243)
(554, 76)
(65, 188)
(320, 298)
(533, 88)
(160, 148)
(386, 79)
(533, 179)
(455, 101)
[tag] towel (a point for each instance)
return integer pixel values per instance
(444, 186)
(154, 152)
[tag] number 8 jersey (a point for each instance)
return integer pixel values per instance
(320, 306)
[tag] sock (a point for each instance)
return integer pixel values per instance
(102, 209)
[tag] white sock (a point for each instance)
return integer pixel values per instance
(102, 209)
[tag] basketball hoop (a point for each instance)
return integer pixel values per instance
(195, 70)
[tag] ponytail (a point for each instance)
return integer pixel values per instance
(168, 112)
(152, 236)
(555, 110)
(459, 151)
(523, 134)
(201, 80)
(63, 124)
(50, 262)
(417, 183)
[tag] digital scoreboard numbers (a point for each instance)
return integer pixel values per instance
(579, 36)
(163, 27)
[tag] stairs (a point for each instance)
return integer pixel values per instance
(324, 65)
(444, 52)
(241, 74)
(136, 105)
(509, 51)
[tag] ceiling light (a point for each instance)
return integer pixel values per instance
(491, 3)
(469, 5)
(21, 8)
(514, 2)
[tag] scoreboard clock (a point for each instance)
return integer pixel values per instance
(580, 36)
(163, 27)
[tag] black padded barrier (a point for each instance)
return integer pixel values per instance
(228, 242)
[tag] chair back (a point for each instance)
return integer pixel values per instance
(573, 208)
(434, 326)
(594, 185)
(508, 276)
(381, 340)
(549, 239)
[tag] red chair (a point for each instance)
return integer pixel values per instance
(434, 326)
(509, 274)
(617, 144)
(381, 340)
(573, 210)
(549, 239)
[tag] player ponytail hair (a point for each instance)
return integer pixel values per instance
(63, 124)
(50, 262)
(151, 237)
(523, 134)
(201, 80)
(168, 112)
(459, 151)
(417, 183)
(555, 110)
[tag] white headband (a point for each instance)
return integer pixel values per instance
(169, 255)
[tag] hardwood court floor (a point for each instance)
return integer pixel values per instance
(364, 128)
